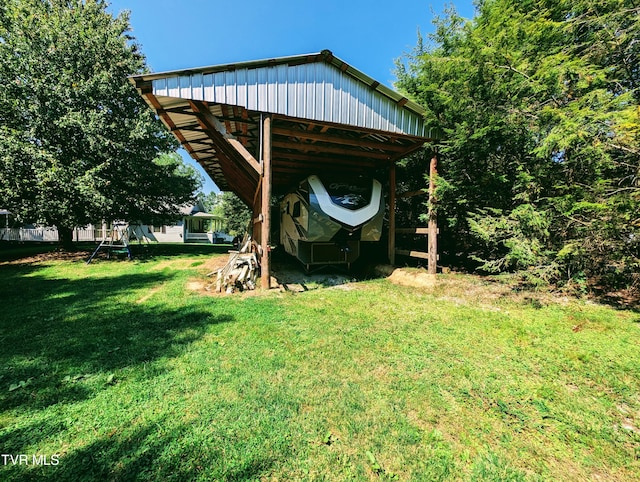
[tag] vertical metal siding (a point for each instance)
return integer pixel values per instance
(207, 83)
(230, 88)
(172, 87)
(315, 91)
(241, 87)
(198, 87)
(292, 90)
(252, 90)
(331, 104)
(185, 87)
(219, 87)
(282, 87)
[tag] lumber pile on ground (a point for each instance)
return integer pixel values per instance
(240, 272)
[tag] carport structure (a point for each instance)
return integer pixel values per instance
(259, 127)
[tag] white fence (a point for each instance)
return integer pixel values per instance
(93, 234)
(48, 234)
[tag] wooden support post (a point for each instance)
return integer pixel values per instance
(392, 214)
(265, 277)
(257, 214)
(433, 222)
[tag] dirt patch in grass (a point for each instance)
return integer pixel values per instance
(457, 288)
(215, 263)
(292, 278)
(195, 285)
(412, 277)
(285, 276)
(208, 288)
(50, 256)
(180, 264)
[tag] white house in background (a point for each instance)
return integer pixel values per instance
(196, 226)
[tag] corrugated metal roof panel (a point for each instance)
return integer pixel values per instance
(318, 87)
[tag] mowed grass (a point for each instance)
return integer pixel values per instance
(117, 371)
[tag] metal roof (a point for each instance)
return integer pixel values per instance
(326, 115)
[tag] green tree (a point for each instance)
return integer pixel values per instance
(77, 143)
(237, 216)
(539, 101)
(211, 202)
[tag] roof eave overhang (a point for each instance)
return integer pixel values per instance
(224, 139)
(142, 81)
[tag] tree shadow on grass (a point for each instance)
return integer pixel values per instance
(10, 251)
(57, 332)
(149, 452)
(65, 338)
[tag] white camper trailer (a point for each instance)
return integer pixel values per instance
(324, 222)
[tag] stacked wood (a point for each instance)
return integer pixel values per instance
(240, 272)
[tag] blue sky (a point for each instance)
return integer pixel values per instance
(194, 33)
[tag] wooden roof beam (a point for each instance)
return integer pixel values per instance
(226, 122)
(200, 151)
(225, 152)
(296, 167)
(216, 127)
(182, 109)
(355, 129)
(407, 152)
(235, 177)
(300, 157)
(190, 127)
(300, 146)
(333, 139)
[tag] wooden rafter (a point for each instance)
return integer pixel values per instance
(236, 178)
(330, 149)
(223, 138)
(339, 139)
(223, 144)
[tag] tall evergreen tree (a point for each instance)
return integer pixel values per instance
(77, 144)
(540, 103)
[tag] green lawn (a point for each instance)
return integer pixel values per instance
(117, 371)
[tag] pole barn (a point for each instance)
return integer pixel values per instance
(258, 127)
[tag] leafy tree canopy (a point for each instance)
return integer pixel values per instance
(77, 144)
(237, 216)
(211, 202)
(540, 103)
